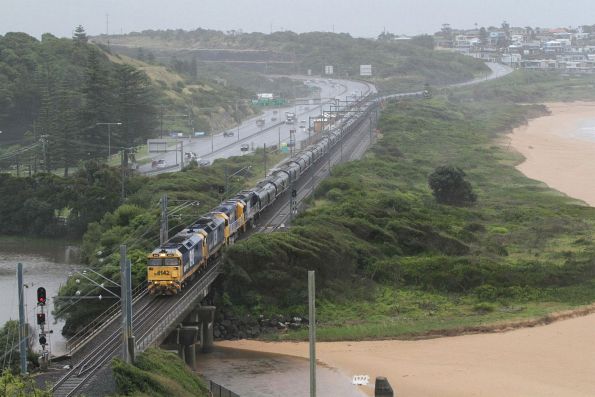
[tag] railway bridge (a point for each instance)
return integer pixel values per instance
(184, 319)
(181, 317)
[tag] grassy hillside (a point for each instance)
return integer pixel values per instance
(157, 373)
(210, 106)
(392, 261)
(397, 64)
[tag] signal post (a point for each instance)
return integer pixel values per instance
(41, 322)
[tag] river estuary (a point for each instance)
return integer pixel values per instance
(47, 263)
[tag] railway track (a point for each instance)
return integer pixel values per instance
(150, 312)
(109, 348)
(351, 147)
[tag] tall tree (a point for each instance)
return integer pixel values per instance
(80, 37)
(135, 103)
(98, 106)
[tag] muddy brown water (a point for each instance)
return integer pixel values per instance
(46, 263)
(256, 374)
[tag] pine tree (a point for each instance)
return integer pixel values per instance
(80, 37)
(98, 105)
(65, 141)
(135, 103)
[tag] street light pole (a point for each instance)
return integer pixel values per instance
(109, 137)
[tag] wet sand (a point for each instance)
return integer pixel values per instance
(552, 360)
(558, 151)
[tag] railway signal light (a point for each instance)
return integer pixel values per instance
(221, 189)
(41, 298)
(40, 318)
(294, 193)
(42, 340)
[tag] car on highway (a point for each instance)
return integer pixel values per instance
(273, 119)
(244, 147)
(228, 133)
(159, 163)
(203, 163)
(190, 156)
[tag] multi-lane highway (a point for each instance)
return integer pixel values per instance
(273, 132)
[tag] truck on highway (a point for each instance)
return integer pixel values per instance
(260, 122)
(290, 118)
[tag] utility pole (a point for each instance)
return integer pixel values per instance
(341, 160)
(126, 301)
(264, 152)
(238, 120)
(164, 224)
(279, 146)
(44, 144)
(124, 169)
(291, 142)
(312, 330)
(35, 161)
(161, 121)
(292, 199)
(182, 155)
(329, 153)
(225, 173)
(22, 323)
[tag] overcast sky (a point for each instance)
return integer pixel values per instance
(363, 18)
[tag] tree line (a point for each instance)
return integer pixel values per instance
(61, 92)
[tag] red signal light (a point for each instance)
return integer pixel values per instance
(41, 296)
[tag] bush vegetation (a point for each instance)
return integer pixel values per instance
(157, 373)
(378, 239)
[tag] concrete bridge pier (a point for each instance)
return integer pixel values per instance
(186, 341)
(206, 315)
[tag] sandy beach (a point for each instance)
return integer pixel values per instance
(558, 151)
(552, 360)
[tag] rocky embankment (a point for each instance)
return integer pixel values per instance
(229, 326)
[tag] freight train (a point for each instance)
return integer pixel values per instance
(177, 262)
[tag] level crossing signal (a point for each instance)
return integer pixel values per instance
(41, 298)
(42, 340)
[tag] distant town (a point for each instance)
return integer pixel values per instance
(569, 49)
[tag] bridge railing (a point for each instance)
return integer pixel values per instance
(166, 322)
(81, 337)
